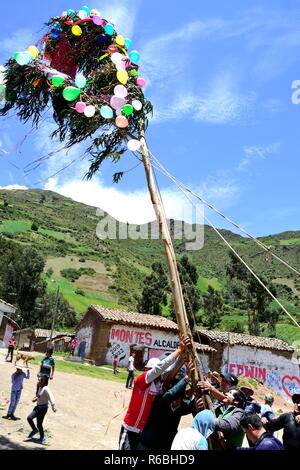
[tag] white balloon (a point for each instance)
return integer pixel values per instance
(89, 110)
(133, 145)
(116, 57)
(82, 14)
(137, 105)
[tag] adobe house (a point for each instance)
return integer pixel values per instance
(103, 332)
(7, 325)
(35, 339)
(269, 360)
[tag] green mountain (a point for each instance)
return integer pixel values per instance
(111, 272)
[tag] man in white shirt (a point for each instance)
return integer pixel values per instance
(131, 370)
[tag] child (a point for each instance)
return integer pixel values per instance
(44, 396)
(17, 379)
(48, 364)
(115, 364)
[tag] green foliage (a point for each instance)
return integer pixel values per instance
(20, 278)
(51, 306)
(34, 227)
(73, 274)
(213, 308)
(154, 294)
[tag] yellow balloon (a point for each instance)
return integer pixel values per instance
(122, 76)
(76, 30)
(120, 40)
(33, 51)
(95, 12)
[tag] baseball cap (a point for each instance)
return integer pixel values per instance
(296, 394)
(231, 378)
(153, 362)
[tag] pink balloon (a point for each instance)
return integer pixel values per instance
(121, 65)
(98, 21)
(117, 102)
(141, 82)
(120, 91)
(121, 121)
(80, 106)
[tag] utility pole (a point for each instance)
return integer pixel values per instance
(54, 314)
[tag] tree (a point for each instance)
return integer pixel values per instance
(252, 293)
(20, 278)
(49, 305)
(154, 294)
(213, 308)
(34, 227)
(188, 278)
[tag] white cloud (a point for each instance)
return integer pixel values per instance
(254, 152)
(135, 206)
(121, 14)
(14, 186)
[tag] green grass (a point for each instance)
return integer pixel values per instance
(290, 241)
(203, 284)
(287, 332)
(70, 367)
(15, 226)
(290, 307)
(78, 302)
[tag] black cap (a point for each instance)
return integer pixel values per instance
(231, 378)
(295, 394)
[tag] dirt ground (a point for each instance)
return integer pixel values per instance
(89, 412)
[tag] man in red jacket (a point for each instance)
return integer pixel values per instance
(146, 387)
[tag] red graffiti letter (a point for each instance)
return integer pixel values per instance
(262, 374)
(148, 337)
(240, 369)
(115, 334)
(250, 371)
(231, 368)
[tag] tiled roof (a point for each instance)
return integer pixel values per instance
(134, 318)
(9, 305)
(204, 348)
(13, 322)
(246, 340)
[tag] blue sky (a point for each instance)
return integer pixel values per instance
(219, 76)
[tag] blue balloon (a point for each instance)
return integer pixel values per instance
(109, 29)
(55, 34)
(134, 56)
(101, 39)
(87, 10)
(71, 12)
(106, 112)
(23, 58)
(80, 80)
(128, 43)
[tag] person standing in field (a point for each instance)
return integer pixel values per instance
(17, 379)
(131, 370)
(115, 364)
(11, 347)
(43, 398)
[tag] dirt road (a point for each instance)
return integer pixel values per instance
(89, 412)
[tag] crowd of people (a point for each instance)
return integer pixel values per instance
(163, 393)
(43, 395)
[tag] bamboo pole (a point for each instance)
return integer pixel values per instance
(178, 300)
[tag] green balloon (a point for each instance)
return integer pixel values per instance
(70, 93)
(134, 73)
(128, 109)
(57, 81)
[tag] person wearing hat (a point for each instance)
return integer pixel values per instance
(289, 422)
(228, 381)
(17, 379)
(252, 406)
(266, 409)
(146, 387)
(167, 410)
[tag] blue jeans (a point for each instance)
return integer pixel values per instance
(14, 400)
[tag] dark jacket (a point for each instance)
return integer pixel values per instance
(228, 422)
(291, 430)
(266, 442)
(161, 428)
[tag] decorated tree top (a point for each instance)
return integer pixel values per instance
(90, 75)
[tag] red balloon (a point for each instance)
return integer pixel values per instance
(112, 49)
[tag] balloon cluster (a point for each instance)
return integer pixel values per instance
(94, 69)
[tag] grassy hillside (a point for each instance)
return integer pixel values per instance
(64, 231)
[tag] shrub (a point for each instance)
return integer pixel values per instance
(34, 227)
(80, 292)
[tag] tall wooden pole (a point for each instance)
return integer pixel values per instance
(178, 300)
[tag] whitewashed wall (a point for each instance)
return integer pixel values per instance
(154, 343)
(279, 373)
(84, 334)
